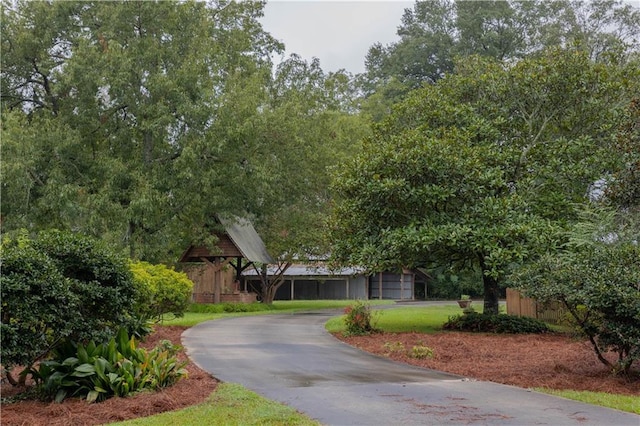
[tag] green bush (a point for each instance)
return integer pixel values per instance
(359, 319)
(117, 368)
(501, 323)
(596, 281)
(161, 290)
(219, 308)
(59, 286)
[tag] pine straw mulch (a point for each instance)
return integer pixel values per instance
(553, 361)
(195, 389)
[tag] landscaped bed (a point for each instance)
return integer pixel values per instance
(529, 361)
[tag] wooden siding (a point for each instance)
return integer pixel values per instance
(203, 278)
(224, 248)
(521, 306)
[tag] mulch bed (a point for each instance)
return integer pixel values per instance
(552, 361)
(193, 390)
(531, 360)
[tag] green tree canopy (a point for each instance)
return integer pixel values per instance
(121, 118)
(140, 122)
(433, 33)
(484, 167)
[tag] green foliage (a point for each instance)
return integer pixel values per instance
(161, 290)
(449, 285)
(484, 169)
(146, 159)
(219, 308)
(359, 319)
(117, 368)
(421, 351)
(501, 323)
(596, 280)
(395, 347)
(60, 286)
(434, 32)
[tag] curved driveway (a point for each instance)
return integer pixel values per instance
(292, 359)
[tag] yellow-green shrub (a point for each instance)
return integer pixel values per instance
(161, 290)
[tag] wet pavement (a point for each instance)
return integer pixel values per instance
(294, 360)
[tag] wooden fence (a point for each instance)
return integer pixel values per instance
(526, 307)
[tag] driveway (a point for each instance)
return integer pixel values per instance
(292, 359)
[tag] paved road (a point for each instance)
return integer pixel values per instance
(292, 359)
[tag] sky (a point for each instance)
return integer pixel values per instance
(337, 32)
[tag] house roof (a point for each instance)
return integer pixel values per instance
(312, 271)
(245, 237)
(239, 239)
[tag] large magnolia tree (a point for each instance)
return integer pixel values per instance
(483, 168)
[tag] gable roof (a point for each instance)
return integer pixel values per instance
(240, 239)
(245, 237)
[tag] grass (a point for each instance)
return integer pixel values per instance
(230, 404)
(279, 307)
(629, 403)
(421, 319)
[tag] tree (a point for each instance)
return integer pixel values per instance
(122, 117)
(306, 126)
(482, 169)
(434, 33)
(58, 287)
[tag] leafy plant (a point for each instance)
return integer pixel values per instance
(596, 280)
(161, 290)
(420, 352)
(501, 323)
(395, 347)
(57, 286)
(359, 319)
(117, 368)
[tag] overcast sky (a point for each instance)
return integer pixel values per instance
(337, 32)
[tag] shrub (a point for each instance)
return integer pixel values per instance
(420, 352)
(161, 290)
(500, 323)
(117, 368)
(60, 286)
(359, 319)
(395, 347)
(596, 280)
(218, 308)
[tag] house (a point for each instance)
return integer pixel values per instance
(217, 272)
(316, 281)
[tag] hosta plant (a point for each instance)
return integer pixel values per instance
(97, 372)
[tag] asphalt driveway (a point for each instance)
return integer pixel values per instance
(292, 359)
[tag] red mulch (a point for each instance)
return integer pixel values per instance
(552, 361)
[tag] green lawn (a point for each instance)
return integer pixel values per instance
(421, 319)
(619, 402)
(232, 404)
(279, 307)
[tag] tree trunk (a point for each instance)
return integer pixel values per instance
(491, 291)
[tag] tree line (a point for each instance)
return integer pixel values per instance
(477, 142)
